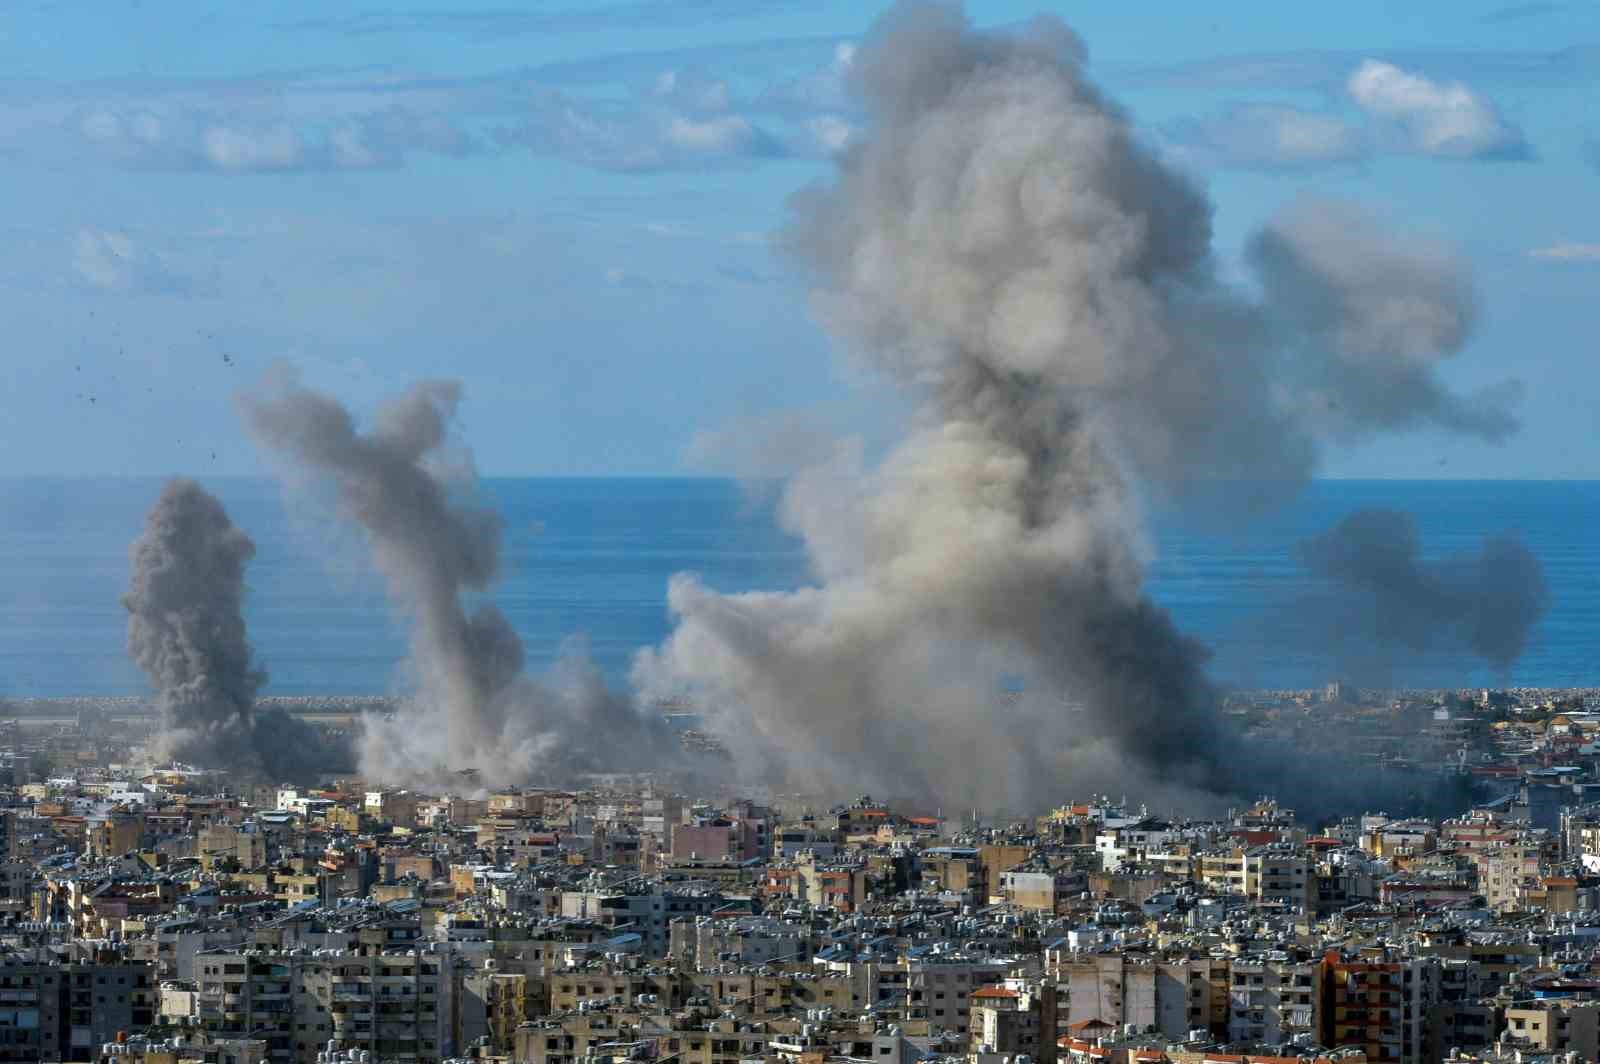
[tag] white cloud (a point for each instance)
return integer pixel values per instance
(630, 112)
(824, 89)
(1433, 118)
(243, 149)
(1270, 136)
(691, 92)
(608, 136)
(113, 261)
(724, 135)
(103, 259)
(351, 150)
(238, 126)
(829, 134)
(1568, 252)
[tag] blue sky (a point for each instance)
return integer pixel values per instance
(567, 207)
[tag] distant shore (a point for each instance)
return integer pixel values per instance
(317, 708)
(138, 706)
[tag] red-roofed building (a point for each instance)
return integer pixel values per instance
(1013, 1019)
(1078, 1051)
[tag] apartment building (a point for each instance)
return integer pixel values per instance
(1272, 998)
(1555, 1026)
(647, 913)
(397, 1004)
(1377, 1003)
(66, 1011)
(1014, 1019)
(1279, 873)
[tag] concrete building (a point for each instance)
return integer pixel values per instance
(1012, 1020)
(647, 913)
(66, 1011)
(399, 1005)
(1378, 1003)
(1555, 1026)
(1278, 873)
(1273, 999)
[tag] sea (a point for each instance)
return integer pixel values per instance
(587, 562)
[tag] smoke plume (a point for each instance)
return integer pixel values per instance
(475, 712)
(1044, 288)
(186, 631)
(1378, 603)
(186, 624)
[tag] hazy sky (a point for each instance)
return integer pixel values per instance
(567, 206)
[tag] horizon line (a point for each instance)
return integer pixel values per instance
(16, 477)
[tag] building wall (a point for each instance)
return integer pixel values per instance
(398, 1006)
(1557, 1027)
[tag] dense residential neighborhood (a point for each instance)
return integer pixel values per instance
(173, 914)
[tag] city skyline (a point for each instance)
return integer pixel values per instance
(800, 532)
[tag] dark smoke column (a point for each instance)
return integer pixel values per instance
(186, 626)
(1383, 603)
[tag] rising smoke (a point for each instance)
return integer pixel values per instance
(1001, 246)
(476, 720)
(186, 631)
(1378, 604)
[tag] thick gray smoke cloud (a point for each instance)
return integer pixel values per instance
(186, 631)
(186, 624)
(1376, 315)
(1002, 246)
(475, 712)
(1380, 603)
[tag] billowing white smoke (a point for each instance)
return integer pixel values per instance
(1001, 245)
(475, 713)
